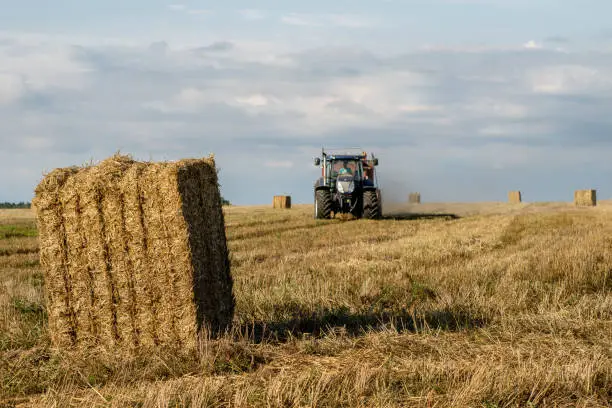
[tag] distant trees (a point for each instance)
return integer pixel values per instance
(22, 204)
(15, 205)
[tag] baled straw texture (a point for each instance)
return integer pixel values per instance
(55, 256)
(134, 254)
(414, 198)
(515, 197)
(281, 202)
(585, 198)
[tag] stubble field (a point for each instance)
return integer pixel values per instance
(479, 305)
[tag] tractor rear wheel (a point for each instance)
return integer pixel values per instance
(371, 205)
(323, 204)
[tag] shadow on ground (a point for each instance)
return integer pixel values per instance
(320, 323)
(419, 216)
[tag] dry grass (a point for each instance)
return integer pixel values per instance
(10, 215)
(502, 306)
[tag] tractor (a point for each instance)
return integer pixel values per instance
(348, 184)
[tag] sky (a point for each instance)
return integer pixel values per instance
(461, 100)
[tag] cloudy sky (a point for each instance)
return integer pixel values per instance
(460, 99)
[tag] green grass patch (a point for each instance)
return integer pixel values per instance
(28, 309)
(17, 231)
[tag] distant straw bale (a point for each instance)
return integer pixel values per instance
(134, 253)
(515, 197)
(281, 202)
(585, 198)
(414, 198)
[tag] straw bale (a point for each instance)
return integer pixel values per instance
(77, 268)
(158, 254)
(514, 197)
(281, 202)
(210, 255)
(53, 255)
(144, 290)
(103, 330)
(414, 198)
(134, 253)
(178, 246)
(119, 271)
(585, 198)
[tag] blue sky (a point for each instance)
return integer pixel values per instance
(461, 99)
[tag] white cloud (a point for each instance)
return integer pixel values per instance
(532, 45)
(190, 97)
(279, 164)
(31, 68)
(568, 79)
(350, 21)
(502, 3)
(519, 130)
(491, 107)
(260, 52)
(335, 103)
(458, 48)
(177, 7)
(419, 108)
(199, 12)
(256, 100)
(11, 88)
(300, 20)
(382, 92)
(36, 143)
(252, 14)
(190, 11)
(321, 20)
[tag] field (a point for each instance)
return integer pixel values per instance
(437, 305)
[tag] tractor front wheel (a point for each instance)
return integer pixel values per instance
(323, 204)
(371, 205)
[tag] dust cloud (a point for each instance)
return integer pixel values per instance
(395, 187)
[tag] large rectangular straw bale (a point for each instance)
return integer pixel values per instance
(134, 254)
(586, 198)
(54, 255)
(281, 202)
(514, 197)
(414, 198)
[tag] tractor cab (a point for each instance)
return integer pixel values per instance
(344, 166)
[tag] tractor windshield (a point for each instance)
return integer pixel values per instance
(352, 167)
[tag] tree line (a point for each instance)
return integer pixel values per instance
(6, 204)
(21, 204)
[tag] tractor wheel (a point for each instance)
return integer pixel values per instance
(371, 205)
(323, 204)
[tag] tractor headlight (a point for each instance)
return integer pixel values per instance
(346, 187)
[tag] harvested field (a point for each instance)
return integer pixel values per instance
(436, 305)
(134, 254)
(10, 216)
